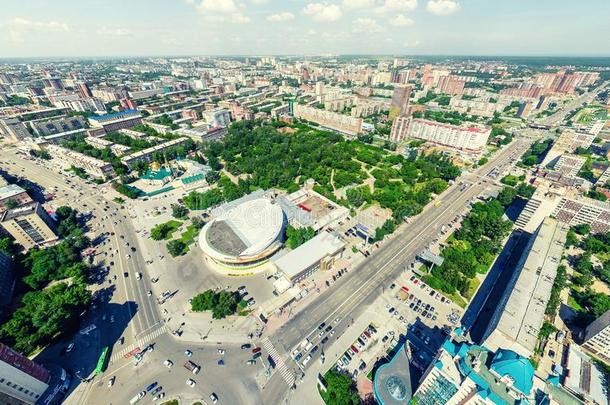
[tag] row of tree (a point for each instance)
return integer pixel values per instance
(222, 304)
(56, 293)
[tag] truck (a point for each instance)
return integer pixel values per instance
(192, 367)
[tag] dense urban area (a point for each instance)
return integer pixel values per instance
(305, 230)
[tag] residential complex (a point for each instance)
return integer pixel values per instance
(327, 119)
(596, 339)
(470, 138)
(520, 313)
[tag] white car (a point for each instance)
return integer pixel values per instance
(161, 395)
(168, 363)
(188, 353)
(138, 276)
(213, 397)
(111, 382)
(307, 359)
(190, 382)
(221, 351)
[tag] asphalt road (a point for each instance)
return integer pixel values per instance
(354, 292)
(571, 106)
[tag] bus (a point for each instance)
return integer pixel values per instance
(102, 362)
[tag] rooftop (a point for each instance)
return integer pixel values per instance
(9, 191)
(322, 245)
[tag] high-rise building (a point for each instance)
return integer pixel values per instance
(400, 101)
(21, 380)
(7, 279)
(451, 85)
(519, 314)
(597, 338)
(84, 90)
(29, 225)
(400, 129)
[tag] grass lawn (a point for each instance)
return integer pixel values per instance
(472, 288)
(574, 305)
(172, 402)
(168, 227)
(190, 234)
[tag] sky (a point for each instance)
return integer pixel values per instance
(52, 28)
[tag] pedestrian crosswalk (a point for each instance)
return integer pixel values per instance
(280, 366)
(141, 343)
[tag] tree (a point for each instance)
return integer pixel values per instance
(212, 177)
(10, 204)
(7, 246)
(582, 229)
(176, 247)
(340, 389)
(179, 211)
(506, 196)
(221, 304)
(295, 237)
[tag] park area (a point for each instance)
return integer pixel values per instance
(587, 115)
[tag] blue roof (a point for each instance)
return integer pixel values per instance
(519, 368)
(112, 115)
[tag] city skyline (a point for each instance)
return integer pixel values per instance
(227, 27)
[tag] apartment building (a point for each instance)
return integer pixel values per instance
(329, 119)
(472, 139)
(29, 225)
(596, 338)
(147, 154)
(116, 121)
(95, 167)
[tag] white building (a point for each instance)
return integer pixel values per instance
(217, 118)
(21, 380)
(471, 139)
(318, 253)
(519, 314)
(597, 337)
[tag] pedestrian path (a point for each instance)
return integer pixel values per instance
(141, 343)
(280, 366)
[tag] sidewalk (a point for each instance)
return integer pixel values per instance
(200, 327)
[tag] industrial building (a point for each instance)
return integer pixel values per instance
(318, 253)
(21, 380)
(243, 233)
(519, 315)
(29, 225)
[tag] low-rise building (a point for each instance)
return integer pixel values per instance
(95, 167)
(116, 121)
(29, 225)
(569, 164)
(318, 253)
(13, 195)
(148, 153)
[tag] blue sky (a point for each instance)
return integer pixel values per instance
(30, 28)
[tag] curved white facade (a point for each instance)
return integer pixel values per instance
(245, 234)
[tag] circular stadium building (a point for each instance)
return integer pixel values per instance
(243, 235)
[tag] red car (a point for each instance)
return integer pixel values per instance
(354, 349)
(256, 350)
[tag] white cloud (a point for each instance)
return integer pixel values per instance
(397, 5)
(214, 18)
(443, 7)
(239, 18)
(51, 26)
(323, 11)
(366, 24)
(400, 20)
(355, 4)
(281, 17)
(259, 2)
(217, 6)
(113, 32)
